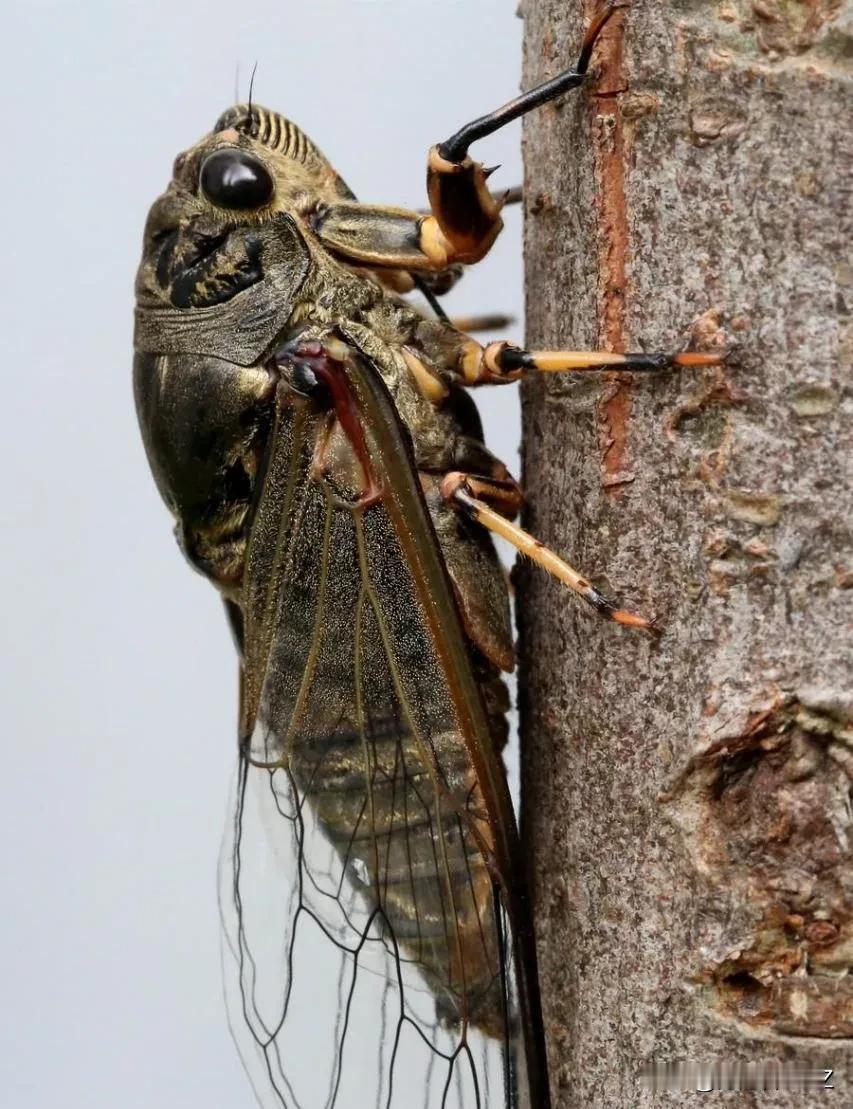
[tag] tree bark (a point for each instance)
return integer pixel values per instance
(686, 799)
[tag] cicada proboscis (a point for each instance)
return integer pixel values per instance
(312, 434)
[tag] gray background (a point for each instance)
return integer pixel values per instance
(119, 684)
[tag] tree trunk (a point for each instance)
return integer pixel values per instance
(686, 799)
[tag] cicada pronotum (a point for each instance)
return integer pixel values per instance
(312, 434)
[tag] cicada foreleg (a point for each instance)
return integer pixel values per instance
(464, 218)
(466, 213)
(492, 503)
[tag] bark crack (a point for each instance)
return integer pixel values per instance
(614, 409)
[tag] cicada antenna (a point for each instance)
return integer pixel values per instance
(251, 87)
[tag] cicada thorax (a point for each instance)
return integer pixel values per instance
(206, 424)
(208, 296)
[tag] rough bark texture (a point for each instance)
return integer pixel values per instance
(687, 800)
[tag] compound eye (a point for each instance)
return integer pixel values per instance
(234, 179)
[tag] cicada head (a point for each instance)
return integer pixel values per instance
(251, 178)
(253, 165)
(244, 184)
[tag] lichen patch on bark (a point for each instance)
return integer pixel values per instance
(792, 26)
(781, 28)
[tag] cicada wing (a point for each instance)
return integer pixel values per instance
(370, 955)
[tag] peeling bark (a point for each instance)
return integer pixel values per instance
(687, 805)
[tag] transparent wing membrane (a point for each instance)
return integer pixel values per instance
(328, 1007)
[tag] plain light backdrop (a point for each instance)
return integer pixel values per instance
(119, 678)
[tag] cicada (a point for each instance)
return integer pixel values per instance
(312, 433)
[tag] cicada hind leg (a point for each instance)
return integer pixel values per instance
(493, 504)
